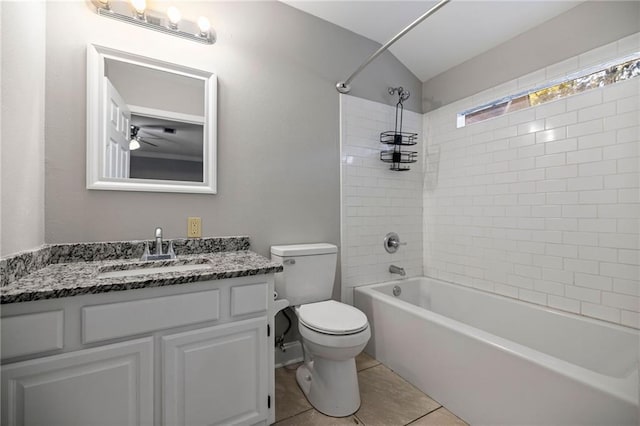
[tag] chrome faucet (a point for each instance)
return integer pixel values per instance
(397, 270)
(158, 255)
(158, 240)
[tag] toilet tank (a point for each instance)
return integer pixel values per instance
(309, 272)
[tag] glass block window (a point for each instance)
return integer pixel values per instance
(591, 78)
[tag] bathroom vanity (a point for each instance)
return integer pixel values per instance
(82, 345)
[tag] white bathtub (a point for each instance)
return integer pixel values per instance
(494, 360)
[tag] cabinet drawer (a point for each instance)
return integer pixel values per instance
(249, 299)
(32, 333)
(114, 320)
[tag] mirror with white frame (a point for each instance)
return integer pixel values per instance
(151, 125)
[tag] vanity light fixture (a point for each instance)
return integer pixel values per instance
(104, 4)
(174, 16)
(139, 6)
(204, 25)
(137, 13)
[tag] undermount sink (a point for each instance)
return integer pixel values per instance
(146, 268)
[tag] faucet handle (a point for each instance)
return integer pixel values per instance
(395, 243)
(145, 253)
(392, 242)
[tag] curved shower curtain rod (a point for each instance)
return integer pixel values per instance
(345, 87)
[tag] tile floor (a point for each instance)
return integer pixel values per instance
(387, 399)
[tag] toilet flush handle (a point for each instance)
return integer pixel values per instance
(289, 262)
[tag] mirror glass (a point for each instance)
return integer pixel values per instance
(151, 124)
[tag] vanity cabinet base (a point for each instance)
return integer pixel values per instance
(189, 354)
(109, 385)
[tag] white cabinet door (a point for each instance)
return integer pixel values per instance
(216, 375)
(109, 385)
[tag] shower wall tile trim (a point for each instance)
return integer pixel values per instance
(376, 200)
(542, 205)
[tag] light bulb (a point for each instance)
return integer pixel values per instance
(204, 25)
(174, 16)
(139, 6)
(134, 144)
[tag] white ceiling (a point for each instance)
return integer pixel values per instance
(459, 31)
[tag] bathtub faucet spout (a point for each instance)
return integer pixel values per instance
(397, 270)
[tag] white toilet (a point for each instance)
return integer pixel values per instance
(333, 333)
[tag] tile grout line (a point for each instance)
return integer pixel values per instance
(424, 415)
(412, 385)
(439, 405)
(371, 366)
(295, 415)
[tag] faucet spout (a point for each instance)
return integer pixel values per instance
(158, 240)
(158, 254)
(397, 270)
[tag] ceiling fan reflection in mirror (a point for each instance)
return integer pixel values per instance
(156, 137)
(137, 138)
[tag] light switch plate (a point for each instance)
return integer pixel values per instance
(194, 227)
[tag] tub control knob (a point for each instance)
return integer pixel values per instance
(392, 242)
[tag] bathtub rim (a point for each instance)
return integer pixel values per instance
(597, 321)
(625, 388)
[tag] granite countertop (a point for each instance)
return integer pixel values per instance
(80, 277)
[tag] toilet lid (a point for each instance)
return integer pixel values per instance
(331, 317)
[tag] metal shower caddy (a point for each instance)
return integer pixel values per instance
(398, 157)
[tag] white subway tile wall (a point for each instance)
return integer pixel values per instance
(376, 200)
(542, 205)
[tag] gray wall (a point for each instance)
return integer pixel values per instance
(589, 25)
(278, 117)
(22, 134)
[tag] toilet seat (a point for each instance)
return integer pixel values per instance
(331, 317)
